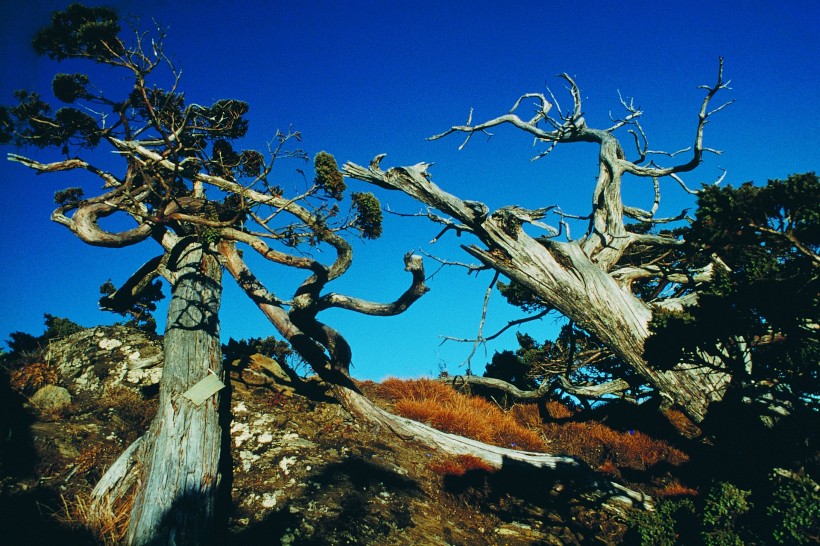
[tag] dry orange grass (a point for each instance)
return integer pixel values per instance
(682, 423)
(441, 407)
(460, 465)
(558, 410)
(675, 489)
(33, 376)
(609, 468)
(529, 415)
(597, 443)
(107, 522)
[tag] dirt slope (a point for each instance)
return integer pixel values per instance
(304, 472)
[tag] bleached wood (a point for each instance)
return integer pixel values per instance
(568, 276)
(180, 455)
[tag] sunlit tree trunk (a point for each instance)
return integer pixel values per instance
(176, 496)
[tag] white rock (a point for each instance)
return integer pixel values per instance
(247, 458)
(286, 463)
(109, 344)
(269, 500)
(241, 433)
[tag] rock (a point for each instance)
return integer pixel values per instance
(106, 356)
(272, 367)
(51, 398)
(264, 371)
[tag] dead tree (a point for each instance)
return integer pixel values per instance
(590, 280)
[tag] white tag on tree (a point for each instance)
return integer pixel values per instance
(204, 389)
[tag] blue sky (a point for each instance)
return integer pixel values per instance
(362, 78)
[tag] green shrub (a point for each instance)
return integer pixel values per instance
(664, 526)
(795, 512)
(723, 506)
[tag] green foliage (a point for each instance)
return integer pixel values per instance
(511, 368)
(663, 526)
(25, 348)
(80, 31)
(57, 327)
(30, 123)
(573, 352)
(70, 87)
(723, 506)
(726, 517)
(69, 196)
(239, 351)
(162, 108)
(521, 296)
(225, 118)
(767, 295)
(139, 309)
(368, 214)
(223, 159)
(73, 125)
(328, 176)
(6, 125)
(210, 235)
(738, 220)
(251, 163)
(795, 512)
(21, 343)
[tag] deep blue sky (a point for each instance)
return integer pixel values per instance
(362, 78)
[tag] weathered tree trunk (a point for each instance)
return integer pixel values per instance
(563, 275)
(176, 496)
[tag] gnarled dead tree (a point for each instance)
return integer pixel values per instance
(590, 280)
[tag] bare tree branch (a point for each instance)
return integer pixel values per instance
(697, 148)
(417, 289)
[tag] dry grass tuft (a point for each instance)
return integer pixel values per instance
(31, 377)
(675, 489)
(94, 458)
(106, 521)
(609, 468)
(682, 423)
(597, 443)
(527, 415)
(130, 406)
(460, 465)
(443, 408)
(558, 410)
(521, 427)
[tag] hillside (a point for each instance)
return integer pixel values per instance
(304, 471)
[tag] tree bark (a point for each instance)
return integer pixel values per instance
(541, 393)
(176, 497)
(562, 274)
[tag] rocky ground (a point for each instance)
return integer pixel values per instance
(304, 471)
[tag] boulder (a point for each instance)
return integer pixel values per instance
(107, 355)
(51, 398)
